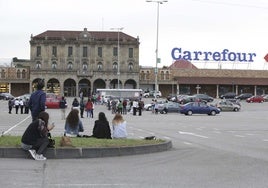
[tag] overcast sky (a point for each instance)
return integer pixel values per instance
(203, 25)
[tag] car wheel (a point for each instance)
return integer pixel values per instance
(213, 113)
(189, 113)
(235, 109)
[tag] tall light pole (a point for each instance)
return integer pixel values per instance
(157, 31)
(118, 55)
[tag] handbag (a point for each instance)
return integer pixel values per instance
(65, 141)
(51, 143)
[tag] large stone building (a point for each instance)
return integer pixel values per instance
(74, 61)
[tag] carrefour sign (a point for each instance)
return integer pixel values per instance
(224, 55)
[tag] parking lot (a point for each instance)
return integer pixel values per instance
(226, 150)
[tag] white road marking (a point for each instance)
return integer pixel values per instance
(265, 140)
(192, 134)
(5, 132)
(187, 143)
(241, 136)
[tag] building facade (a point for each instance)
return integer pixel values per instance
(15, 79)
(182, 77)
(75, 61)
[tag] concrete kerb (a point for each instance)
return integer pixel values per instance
(70, 153)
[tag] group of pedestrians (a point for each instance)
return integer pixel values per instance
(19, 105)
(35, 138)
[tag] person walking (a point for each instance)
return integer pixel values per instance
(125, 106)
(63, 105)
(26, 106)
(10, 105)
(17, 105)
(21, 104)
(120, 107)
(119, 127)
(156, 107)
(135, 107)
(82, 107)
(89, 108)
(37, 102)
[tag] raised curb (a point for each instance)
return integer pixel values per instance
(70, 153)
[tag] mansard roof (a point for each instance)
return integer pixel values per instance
(74, 35)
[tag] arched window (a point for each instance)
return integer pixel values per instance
(142, 75)
(3, 73)
(18, 74)
(38, 65)
(167, 75)
(85, 66)
(100, 66)
(147, 76)
(70, 66)
(23, 74)
(115, 66)
(130, 66)
(54, 65)
(162, 76)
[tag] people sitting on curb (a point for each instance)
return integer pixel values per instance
(73, 125)
(101, 127)
(119, 126)
(35, 138)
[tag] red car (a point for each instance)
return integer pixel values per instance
(52, 100)
(256, 98)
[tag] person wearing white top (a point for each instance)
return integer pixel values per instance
(119, 127)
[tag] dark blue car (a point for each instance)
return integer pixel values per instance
(198, 108)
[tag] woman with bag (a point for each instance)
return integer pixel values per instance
(35, 138)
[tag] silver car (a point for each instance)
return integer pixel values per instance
(225, 105)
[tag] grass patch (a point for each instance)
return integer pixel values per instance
(15, 141)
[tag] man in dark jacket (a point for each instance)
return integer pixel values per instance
(37, 100)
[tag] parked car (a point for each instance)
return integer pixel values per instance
(148, 107)
(189, 98)
(229, 95)
(265, 96)
(256, 98)
(204, 97)
(198, 108)
(152, 94)
(169, 107)
(6, 96)
(52, 100)
(244, 96)
(24, 97)
(226, 105)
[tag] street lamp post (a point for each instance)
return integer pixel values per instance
(118, 55)
(157, 32)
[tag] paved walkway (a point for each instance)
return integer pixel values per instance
(15, 124)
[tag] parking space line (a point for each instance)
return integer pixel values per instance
(5, 132)
(192, 134)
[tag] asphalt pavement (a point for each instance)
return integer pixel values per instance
(226, 150)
